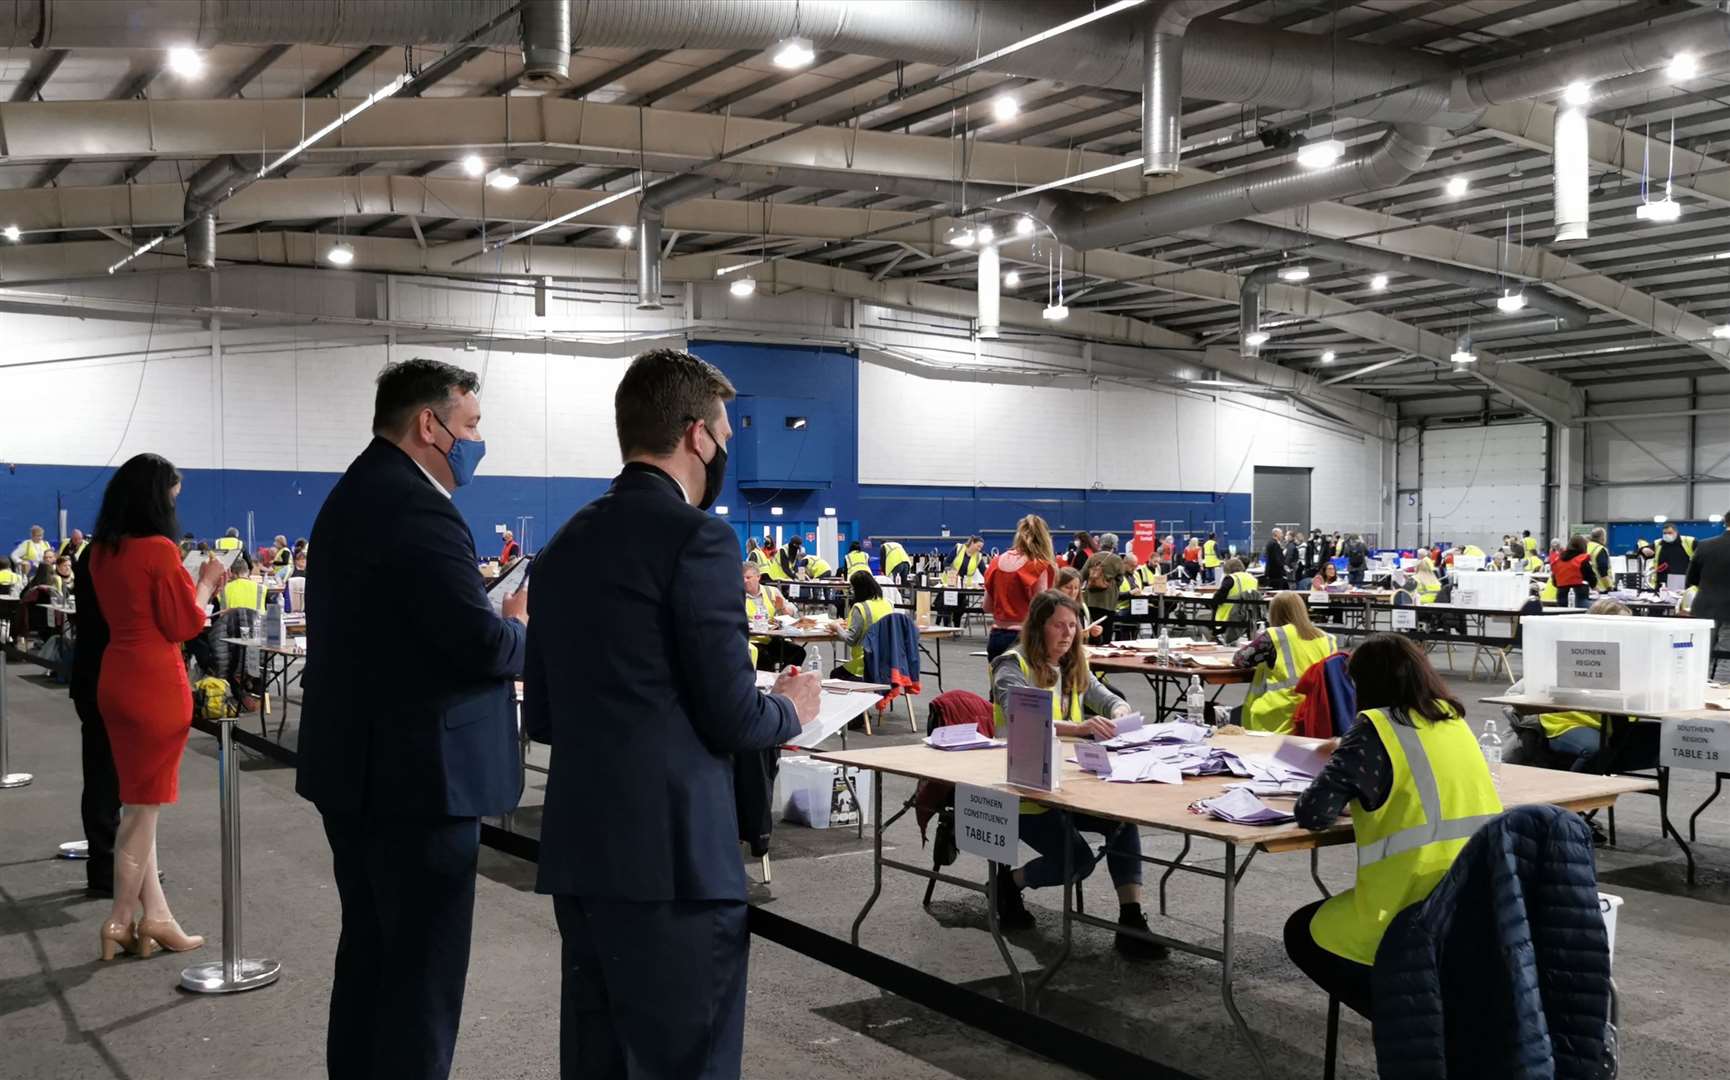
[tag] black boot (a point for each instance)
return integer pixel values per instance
(1012, 914)
(1130, 947)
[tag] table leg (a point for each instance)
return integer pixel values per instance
(876, 857)
(1716, 788)
(1315, 872)
(1668, 829)
(1068, 924)
(263, 693)
(1015, 976)
(1172, 869)
(1228, 949)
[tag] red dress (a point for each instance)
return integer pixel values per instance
(151, 607)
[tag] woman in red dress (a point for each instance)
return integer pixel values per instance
(152, 606)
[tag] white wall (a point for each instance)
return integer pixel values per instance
(1636, 468)
(963, 433)
(1480, 481)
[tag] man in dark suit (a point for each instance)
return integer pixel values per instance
(100, 803)
(1710, 571)
(1273, 575)
(640, 680)
(407, 735)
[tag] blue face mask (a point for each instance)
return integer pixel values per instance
(464, 455)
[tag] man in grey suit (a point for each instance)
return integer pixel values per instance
(641, 681)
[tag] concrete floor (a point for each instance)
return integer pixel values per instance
(65, 1015)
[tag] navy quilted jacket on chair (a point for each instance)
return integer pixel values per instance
(1504, 970)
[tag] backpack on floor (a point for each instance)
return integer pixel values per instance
(212, 699)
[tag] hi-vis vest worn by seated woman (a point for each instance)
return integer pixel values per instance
(1063, 711)
(1273, 698)
(873, 610)
(1243, 587)
(1441, 794)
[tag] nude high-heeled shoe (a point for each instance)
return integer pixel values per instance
(166, 933)
(118, 937)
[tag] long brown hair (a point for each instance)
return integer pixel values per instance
(1392, 673)
(1289, 609)
(1072, 664)
(1033, 539)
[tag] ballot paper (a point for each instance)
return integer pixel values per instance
(1300, 757)
(1240, 807)
(1167, 734)
(507, 583)
(1143, 769)
(960, 737)
(196, 559)
(1272, 789)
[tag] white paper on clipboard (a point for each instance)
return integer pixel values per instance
(506, 584)
(196, 559)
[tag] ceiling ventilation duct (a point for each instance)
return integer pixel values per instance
(1570, 171)
(546, 26)
(990, 298)
(649, 261)
(1162, 93)
(201, 242)
(204, 190)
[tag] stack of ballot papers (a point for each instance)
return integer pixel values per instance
(1142, 769)
(960, 737)
(1137, 736)
(1240, 807)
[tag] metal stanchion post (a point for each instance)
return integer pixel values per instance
(8, 778)
(230, 974)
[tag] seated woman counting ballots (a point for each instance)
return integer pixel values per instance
(1428, 585)
(1410, 752)
(763, 603)
(868, 607)
(1231, 614)
(1289, 646)
(1050, 655)
(1330, 575)
(1069, 584)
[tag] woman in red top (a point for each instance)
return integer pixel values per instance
(151, 607)
(1014, 578)
(1568, 573)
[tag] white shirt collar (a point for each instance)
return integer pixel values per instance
(683, 494)
(431, 479)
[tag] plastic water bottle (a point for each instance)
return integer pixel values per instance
(1490, 742)
(813, 664)
(1164, 645)
(1197, 702)
(275, 627)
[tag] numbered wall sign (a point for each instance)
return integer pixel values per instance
(987, 823)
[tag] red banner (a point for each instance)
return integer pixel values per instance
(1146, 541)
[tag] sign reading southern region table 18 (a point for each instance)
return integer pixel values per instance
(1589, 665)
(1695, 744)
(1405, 618)
(987, 823)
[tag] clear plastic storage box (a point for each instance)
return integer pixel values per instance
(1610, 662)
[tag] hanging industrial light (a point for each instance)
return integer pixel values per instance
(341, 254)
(1294, 273)
(743, 287)
(794, 53)
(1319, 155)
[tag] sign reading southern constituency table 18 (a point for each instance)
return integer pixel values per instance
(987, 823)
(1589, 665)
(1695, 744)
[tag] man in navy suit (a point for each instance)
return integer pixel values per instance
(407, 736)
(641, 681)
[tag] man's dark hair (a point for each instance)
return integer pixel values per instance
(139, 501)
(663, 392)
(404, 389)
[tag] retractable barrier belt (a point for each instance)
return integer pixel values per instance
(1064, 1045)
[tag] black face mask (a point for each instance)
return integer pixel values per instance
(714, 472)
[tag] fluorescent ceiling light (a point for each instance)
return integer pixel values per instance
(1721, 331)
(1379, 282)
(828, 511)
(1457, 186)
(743, 286)
(13, 232)
(504, 181)
(474, 165)
(721, 510)
(1055, 313)
(1659, 519)
(1683, 66)
(1005, 108)
(340, 255)
(1012, 279)
(794, 52)
(1328, 357)
(374, 98)
(1294, 273)
(1464, 356)
(185, 62)
(1321, 154)
(624, 234)
(1256, 338)
(149, 245)
(1715, 518)
(959, 237)
(1510, 302)
(775, 511)
(1663, 211)
(1577, 93)
(1025, 226)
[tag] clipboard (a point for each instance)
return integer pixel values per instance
(507, 583)
(194, 560)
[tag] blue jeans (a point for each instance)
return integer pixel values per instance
(1000, 641)
(1047, 833)
(1580, 743)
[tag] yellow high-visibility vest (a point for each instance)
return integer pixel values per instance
(242, 593)
(894, 557)
(1209, 555)
(1442, 794)
(1243, 587)
(1273, 697)
(228, 543)
(857, 560)
(873, 610)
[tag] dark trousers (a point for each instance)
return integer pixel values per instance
(1355, 575)
(1345, 979)
(100, 803)
(407, 887)
(1000, 641)
(1574, 596)
(651, 990)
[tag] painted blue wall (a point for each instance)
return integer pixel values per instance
(284, 502)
